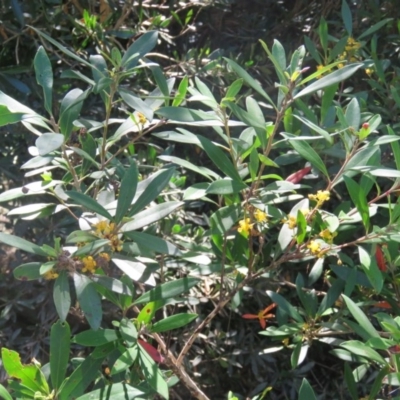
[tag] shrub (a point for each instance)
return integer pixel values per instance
(302, 224)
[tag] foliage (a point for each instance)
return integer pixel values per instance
(287, 205)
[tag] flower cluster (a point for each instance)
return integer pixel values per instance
(107, 230)
(52, 274)
(327, 235)
(291, 220)
(260, 216)
(320, 197)
(352, 45)
(89, 264)
(315, 248)
(142, 119)
(349, 54)
(246, 226)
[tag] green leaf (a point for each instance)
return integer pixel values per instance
(30, 375)
(9, 117)
(360, 317)
(97, 338)
(22, 244)
(173, 322)
(219, 158)
(127, 192)
(89, 300)
(353, 114)
(301, 227)
(361, 349)
(306, 392)
(70, 109)
(225, 186)
(307, 152)
(4, 393)
(89, 203)
(181, 92)
(138, 49)
(371, 269)
(249, 80)
(315, 128)
(158, 184)
(374, 28)
(48, 142)
(112, 284)
(359, 199)
(128, 332)
(395, 148)
(80, 379)
(347, 18)
(350, 382)
(115, 391)
(125, 360)
(44, 77)
(61, 295)
(323, 34)
(28, 272)
(234, 89)
(91, 247)
(153, 374)
(154, 243)
(328, 80)
(88, 152)
(151, 215)
(299, 354)
(147, 313)
(285, 306)
(60, 337)
(62, 48)
(254, 164)
(168, 290)
(208, 173)
(331, 296)
(137, 103)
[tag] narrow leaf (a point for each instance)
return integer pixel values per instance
(127, 192)
(60, 336)
(168, 290)
(89, 203)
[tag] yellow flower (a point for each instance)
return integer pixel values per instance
(245, 226)
(327, 235)
(260, 216)
(142, 119)
(369, 71)
(101, 227)
(352, 44)
(314, 247)
(89, 264)
(291, 221)
(50, 275)
(116, 243)
(106, 230)
(105, 256)
(320, 197)
(319, 67)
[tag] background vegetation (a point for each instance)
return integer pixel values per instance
(212, 51)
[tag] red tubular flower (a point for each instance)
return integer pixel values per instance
(380, 259)
(298, 176)
(262, 316)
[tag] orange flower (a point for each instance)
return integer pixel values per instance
(262, 316)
